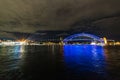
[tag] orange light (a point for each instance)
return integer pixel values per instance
(105, 40)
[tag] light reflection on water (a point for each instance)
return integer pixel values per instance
(85, 58)
(68, 62)
(10, 57)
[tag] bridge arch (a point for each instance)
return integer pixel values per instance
(91, 36)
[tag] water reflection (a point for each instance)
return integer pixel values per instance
(10, 57)
(18, 51)
(68, 62)
(85, 59)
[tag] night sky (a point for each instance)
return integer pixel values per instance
(30, 16)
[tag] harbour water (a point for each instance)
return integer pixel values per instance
(54, 62)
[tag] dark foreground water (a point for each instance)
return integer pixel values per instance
(69, 62)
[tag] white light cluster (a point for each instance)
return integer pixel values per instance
(13, 43)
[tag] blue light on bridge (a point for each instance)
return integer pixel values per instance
(79, 38)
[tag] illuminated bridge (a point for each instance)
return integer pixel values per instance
(84, 38)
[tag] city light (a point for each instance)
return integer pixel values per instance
(89, 39)
(105, 40)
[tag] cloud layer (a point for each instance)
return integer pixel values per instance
(33, 15)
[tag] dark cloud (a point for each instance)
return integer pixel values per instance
(109, 26)
(29, 16)
(7, 35)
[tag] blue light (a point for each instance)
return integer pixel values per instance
(94, 37)
(81, 58)
(18, 51)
